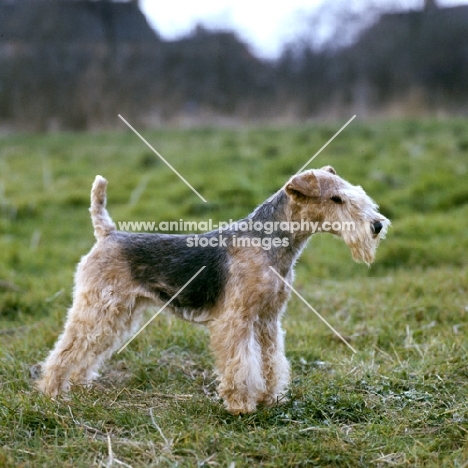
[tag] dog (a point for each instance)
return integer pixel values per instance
(222, 279)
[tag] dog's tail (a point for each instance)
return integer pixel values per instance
(102, 222)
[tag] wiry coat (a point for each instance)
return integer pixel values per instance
(237, 295)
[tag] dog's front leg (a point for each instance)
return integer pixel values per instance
(238, 362)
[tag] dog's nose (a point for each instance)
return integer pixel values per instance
(377, 227)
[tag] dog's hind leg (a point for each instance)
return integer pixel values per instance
(94, 330)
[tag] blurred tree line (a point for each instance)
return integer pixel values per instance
(77, 64)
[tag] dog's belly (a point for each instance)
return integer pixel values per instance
(201, 317)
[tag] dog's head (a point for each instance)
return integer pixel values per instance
(331, 204)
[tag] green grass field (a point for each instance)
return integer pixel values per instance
(401, 400)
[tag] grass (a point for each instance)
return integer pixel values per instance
(400, 401)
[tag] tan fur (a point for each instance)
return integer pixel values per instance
(358, 207)
(246, 338)
(105, 312)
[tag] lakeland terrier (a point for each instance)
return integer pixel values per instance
(236, 296)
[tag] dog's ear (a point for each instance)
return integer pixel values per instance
(328, 169)
(303, 185)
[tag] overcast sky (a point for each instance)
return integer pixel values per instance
(265, 25)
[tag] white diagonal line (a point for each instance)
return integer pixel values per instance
(162, 159)
(314, 311)
(161, 309)
(326, 144)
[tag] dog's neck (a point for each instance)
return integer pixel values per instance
(278, 209)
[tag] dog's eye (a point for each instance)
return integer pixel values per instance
(337, 200)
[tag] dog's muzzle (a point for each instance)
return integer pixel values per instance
(376, 227)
